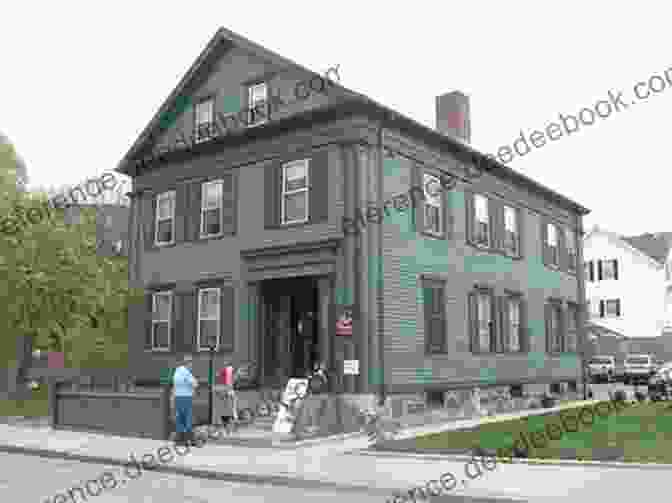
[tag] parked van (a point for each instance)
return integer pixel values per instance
(639, 367)
(602, 367)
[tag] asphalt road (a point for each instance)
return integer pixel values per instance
(28, 478)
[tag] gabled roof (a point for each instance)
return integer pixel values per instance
(618, 239)
(600, 331)
(656, 246)
(226, 38)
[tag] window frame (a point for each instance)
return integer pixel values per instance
(610, 264)
(556, 256)
(617, 302)
(573, 313)
(169, 321)
(428, 178)
(169, 194)
(202, 234)
(510, 299)
(572, 252)
(477, 222)
(517, 240)
(284, 193)
(199, 318)
(435, 283)
(557, 335)
(482, 292)
(209, 124)
(251, 104)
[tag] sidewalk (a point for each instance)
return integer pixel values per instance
(337, 464)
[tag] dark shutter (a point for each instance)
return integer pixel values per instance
(601, 309)
(473, 322)
(495, 216)
(427, 303)
(447, 200)
(148, 218)
(228, 322)
(599, 270)
(505, 324)
(189, 322)
(563, 255)
(229, 204)
(591, 270)
(435, 326)
(175, 321)
(318, 178)
(544, 242)
(470, 215)
(193, 219)
(181, 212)
(148, 321)
(272, 195)
(418, 204)
(618, 307)
(548, 316)
(494, 323)
(562, 329)
(524, 330)
(521, 230)
(615, 268)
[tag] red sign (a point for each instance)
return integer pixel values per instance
(56, 360)
(344, 323)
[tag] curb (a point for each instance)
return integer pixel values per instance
(522, 461)
(278, 480)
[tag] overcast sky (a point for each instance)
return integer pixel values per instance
(80, 80)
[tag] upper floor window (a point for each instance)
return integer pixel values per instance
(209, 317)
(513, 318)
(161, 315)
(570, 242)
(572, 328)
(295, 192)
(552, 245)
(485, 332)
(511, 232)
(589, 270)
(607, 269)
(612, 308)
(211, 208)
(433, 205)
(204, 116)
(165, 218)
(481, 221)
(257, 96)
(554, 327)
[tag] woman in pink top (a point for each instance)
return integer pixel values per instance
(230, 412)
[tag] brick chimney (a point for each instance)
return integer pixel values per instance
(452, 115)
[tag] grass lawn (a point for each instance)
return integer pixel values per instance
(36, 406)
(639, 433)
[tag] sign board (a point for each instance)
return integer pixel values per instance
(294, 391)
(351, 367)
(344, 322)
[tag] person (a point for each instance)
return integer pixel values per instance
(184, 384)
(229, 413)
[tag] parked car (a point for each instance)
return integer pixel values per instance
(602, 367)
(639, 367)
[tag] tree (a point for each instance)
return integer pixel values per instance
(12, 166)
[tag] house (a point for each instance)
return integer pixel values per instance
(237, 236)
(629, 282)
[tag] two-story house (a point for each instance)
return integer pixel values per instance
(238, 241)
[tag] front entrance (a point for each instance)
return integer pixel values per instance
(290, 342)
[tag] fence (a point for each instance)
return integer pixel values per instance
(109, 402)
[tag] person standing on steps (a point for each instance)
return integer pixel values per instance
(184, 384)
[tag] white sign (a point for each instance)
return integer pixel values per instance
(351, 367)
(295, 390)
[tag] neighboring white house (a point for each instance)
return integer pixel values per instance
(629, 282)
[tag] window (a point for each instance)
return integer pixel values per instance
(208, 317)
(484, 300)
(572, 328)
(552, 244)
(161, 314)
(481, 221)
(571, 249)
(511, 246)
(295, 192)
(589, 270)
(165, 217)
(434, 309)
(204, 117)
(433, 205)
(608, 269)
(554, 328)
(257, 96)
(612, 308)
(513, 317)
(211, 208)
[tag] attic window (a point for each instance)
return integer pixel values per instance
(204, 123)
(257, 96)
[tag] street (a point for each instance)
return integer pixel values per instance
(28, 478)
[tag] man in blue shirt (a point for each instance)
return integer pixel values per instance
(184, 384)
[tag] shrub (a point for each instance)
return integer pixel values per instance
(620, 396)
(640, 396)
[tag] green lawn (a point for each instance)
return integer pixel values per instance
(36, 406)
(640, 433)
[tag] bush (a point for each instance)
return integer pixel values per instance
(640, 396)
(620, 396)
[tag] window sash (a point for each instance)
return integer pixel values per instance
(481, 209)
(256, 94)
(608, 269)
(484, 302)
(433, 219)
(514, 324)
(204, 119)
(611, 308)
(304, 189)
(551, 236)
(159, 318)
(203, 295)
(556, 325)
(210, 205)
(169, 196)
(510, 220)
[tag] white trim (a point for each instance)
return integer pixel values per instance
(283, 193)
(169, 194)
(168, 294)
(434, 201)
(204, 209)
(251, 105)
(515, 231)
(199, 319)
(477, 221)
(211, 122)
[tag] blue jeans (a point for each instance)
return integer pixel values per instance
(183, 413)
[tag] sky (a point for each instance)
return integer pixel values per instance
(82, 79)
